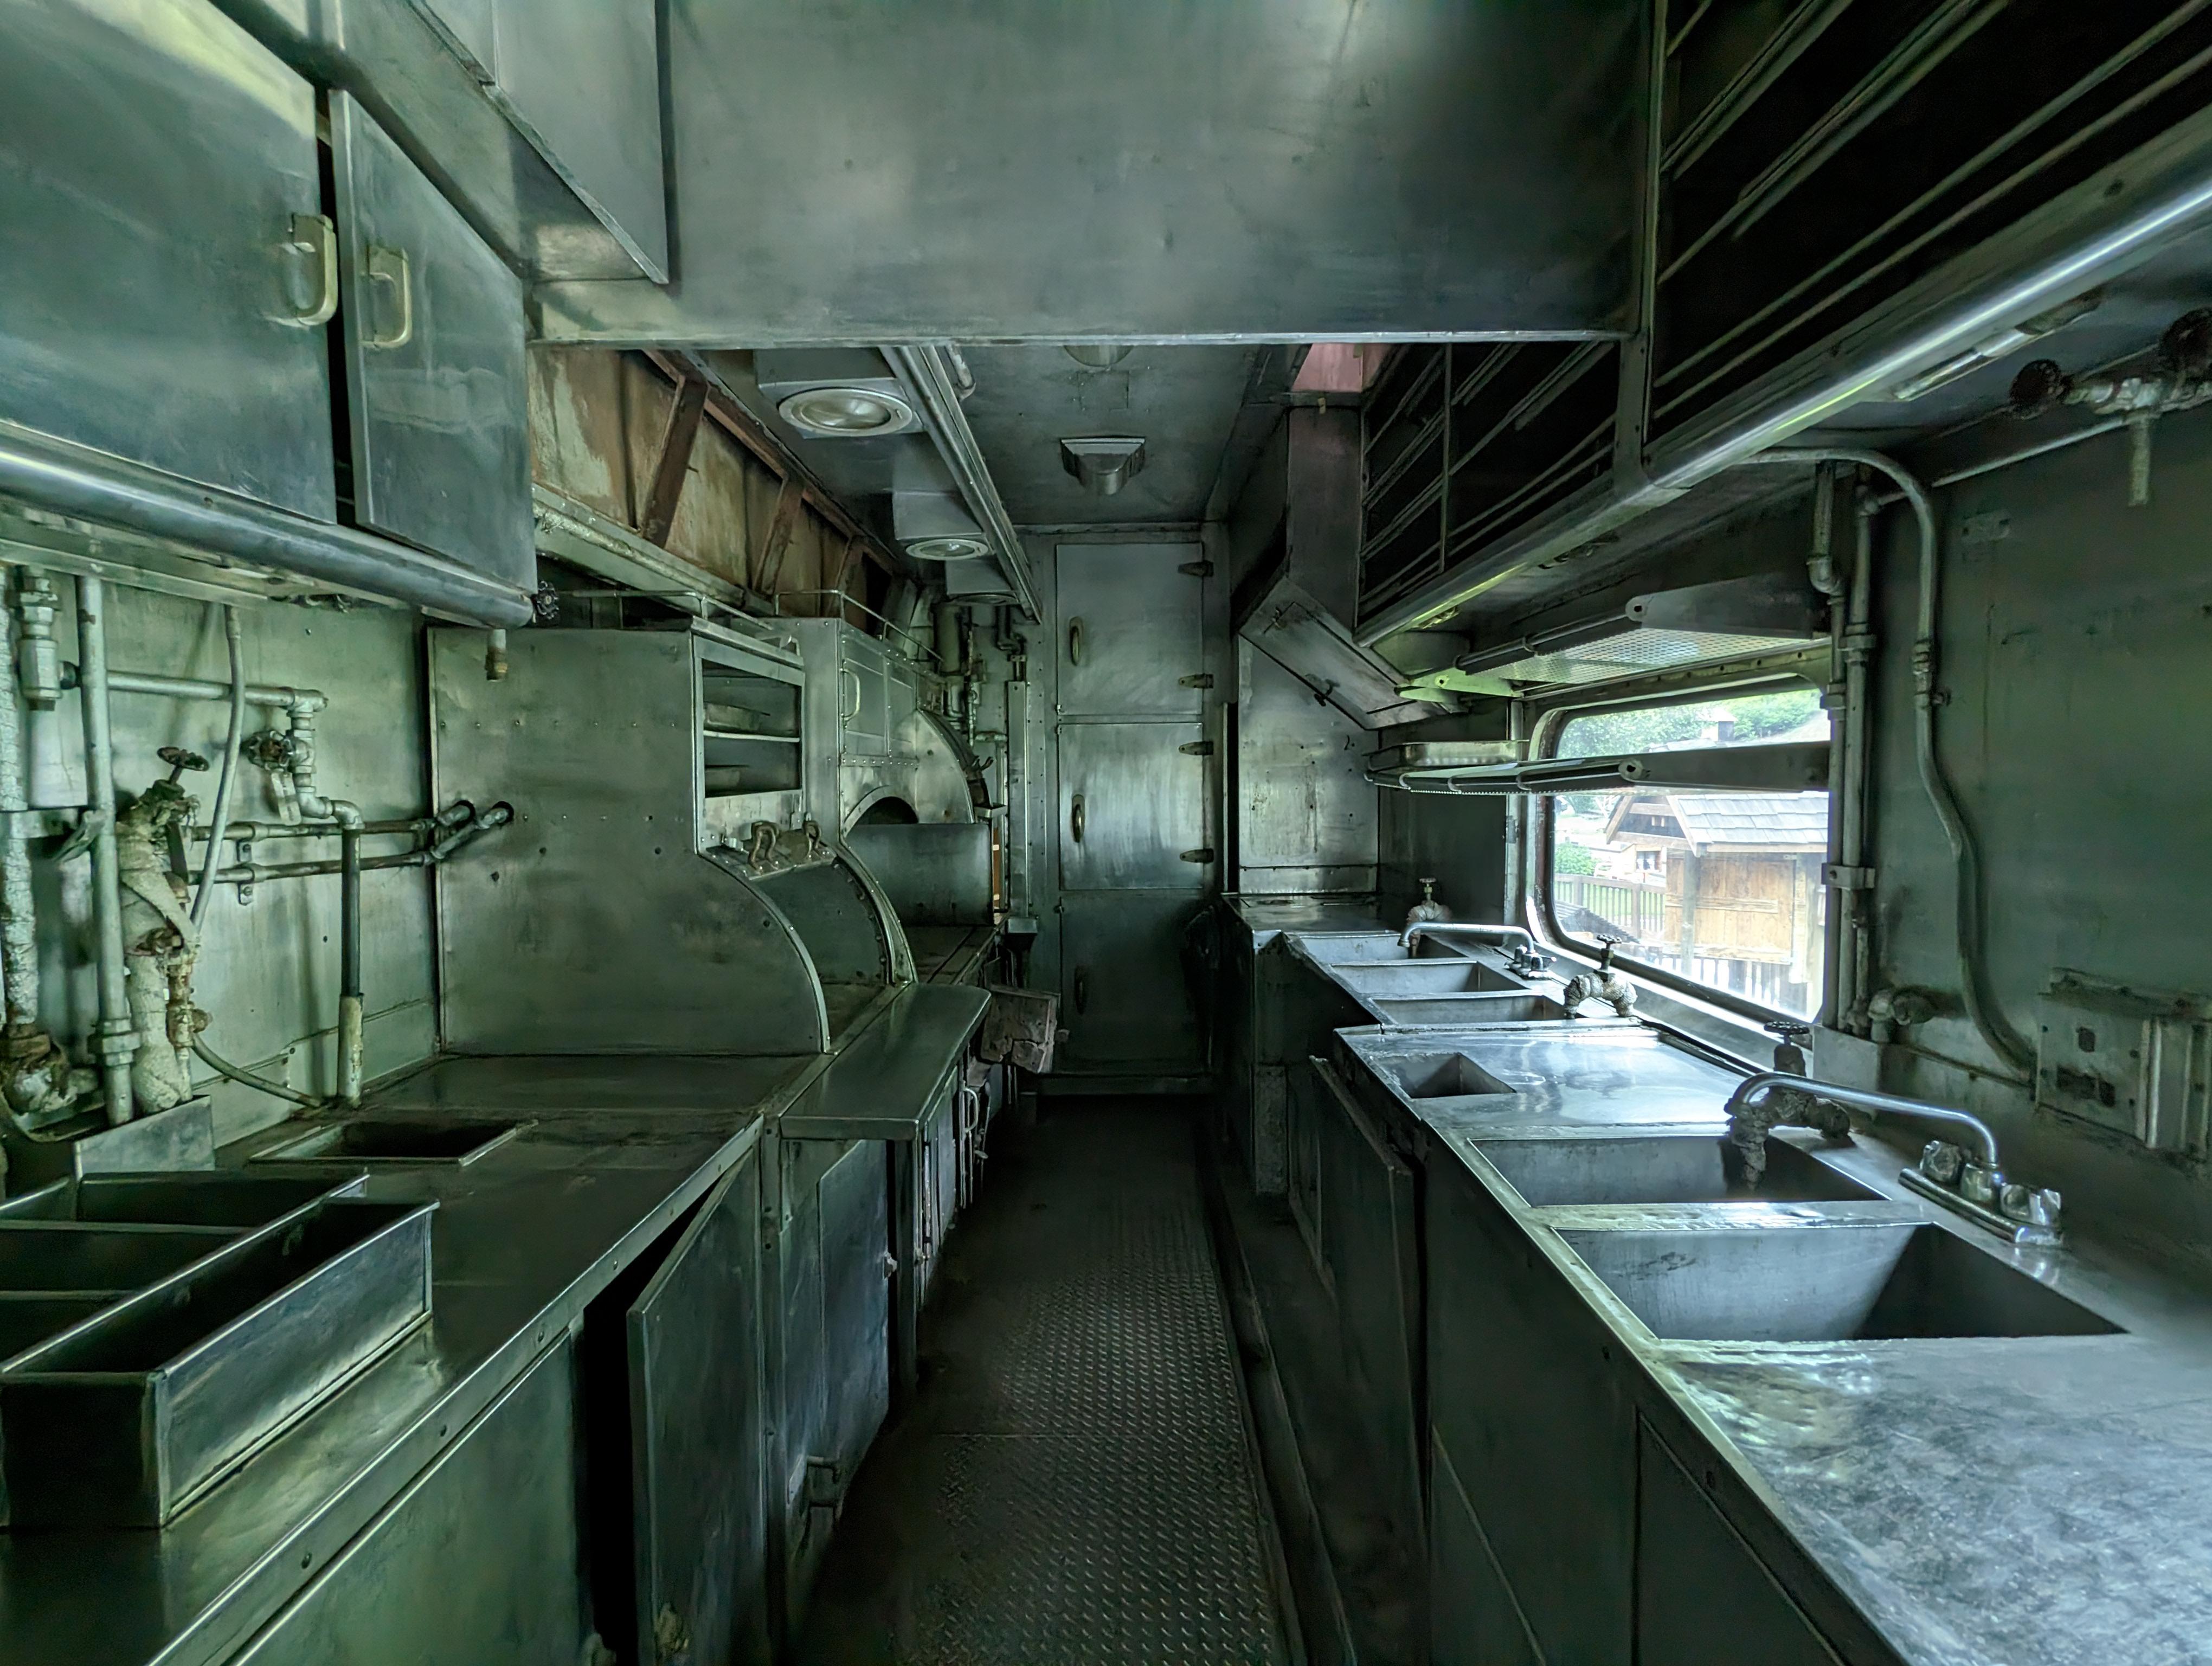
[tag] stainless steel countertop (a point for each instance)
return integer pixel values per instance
(1992, 1501)
(881, 1087)
(1268, 917)
(949, 954)
(523, 1238)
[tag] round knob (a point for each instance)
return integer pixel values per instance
(179, 760)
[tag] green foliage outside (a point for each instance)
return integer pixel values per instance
(1757, 717)
(1568, 857)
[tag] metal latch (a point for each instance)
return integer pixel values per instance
(1203, 853)
(1197, 570)
(1836, 876)
(1196, 748)
(1203, 679)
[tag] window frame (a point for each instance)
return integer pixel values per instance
(1550, 724)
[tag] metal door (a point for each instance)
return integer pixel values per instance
(696, 1438)
(1133, 808)
(1132, 630)
(856, 1302)
(434, 362)
(165, 262)
(1136, 851)
(1126, 1007)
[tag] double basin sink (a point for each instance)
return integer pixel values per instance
(156, 1330)
(1661, 1218)
(1434, 984)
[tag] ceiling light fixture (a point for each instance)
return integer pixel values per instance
(847, 413)
(1103, 462)
(947, 549)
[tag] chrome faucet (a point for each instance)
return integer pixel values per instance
(1521, 954)
(1605, 984)
(1969, 1181)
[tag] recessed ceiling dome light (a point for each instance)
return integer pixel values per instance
(947, 549)
(1097, 355)
(847, 413)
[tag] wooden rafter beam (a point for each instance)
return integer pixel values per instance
(674, 464)
(742, 426)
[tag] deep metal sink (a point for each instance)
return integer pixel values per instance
(52, 1256)
(1837, 1281)
(1663, 1169)
(174, 1199)
(1461, 1010)
(124, 1419)
(1427, 977)
(1356, 951)
(374, 1140)
(1444, 1076)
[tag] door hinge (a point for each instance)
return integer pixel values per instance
(1197, 570)
(1196, 748)
(1203, 853)
(1840, 878)
(1203, 679)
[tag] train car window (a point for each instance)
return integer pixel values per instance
(1721, 889)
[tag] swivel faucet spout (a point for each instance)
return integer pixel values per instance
(1522, 952)
(1761, 1102)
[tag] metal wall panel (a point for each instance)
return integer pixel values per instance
(1124, 999)
(592, 923)
(476, 1561)
(435, 335)
(698, 1433)
(582, 77)
(1304, 810)
(469, 25)
(1132, 631)
(1142, 807)
(152, 162)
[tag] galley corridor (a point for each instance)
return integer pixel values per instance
(1076, 1480)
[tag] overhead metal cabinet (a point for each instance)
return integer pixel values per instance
(861, 703)
(698, 1428)
(166, 264)
(434, 353)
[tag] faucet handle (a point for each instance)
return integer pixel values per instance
(1942, 1161)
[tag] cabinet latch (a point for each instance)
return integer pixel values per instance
(1196, 748)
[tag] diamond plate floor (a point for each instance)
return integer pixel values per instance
(1075, 1483)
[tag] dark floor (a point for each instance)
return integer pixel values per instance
(1076, 1480)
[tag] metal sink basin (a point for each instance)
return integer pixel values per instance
(1356, 951)
(1444, 1076)
(374, 1140)
(50, 1257)
(174, 1199)
(126, 1418)
(1663, 1169)
(1833, 1282)
(1427, 977)
(1461, 1010)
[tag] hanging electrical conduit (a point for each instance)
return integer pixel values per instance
(34, 1071)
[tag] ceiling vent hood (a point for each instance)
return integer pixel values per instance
(1298, 608)
(835, 393)
(1660, 631)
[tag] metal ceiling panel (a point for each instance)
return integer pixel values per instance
(1182, 399)
(1242, 170)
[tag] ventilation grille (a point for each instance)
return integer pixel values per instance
(1818, 165)
(1465, 442)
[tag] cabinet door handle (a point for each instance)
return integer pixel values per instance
(845, 714)
(1075, 642)
(1082, 989)
(1075, 819)
(315, 237)
(391, 266)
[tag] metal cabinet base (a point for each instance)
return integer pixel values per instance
(477, 1561)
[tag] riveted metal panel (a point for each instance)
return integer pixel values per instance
(476, 1561)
